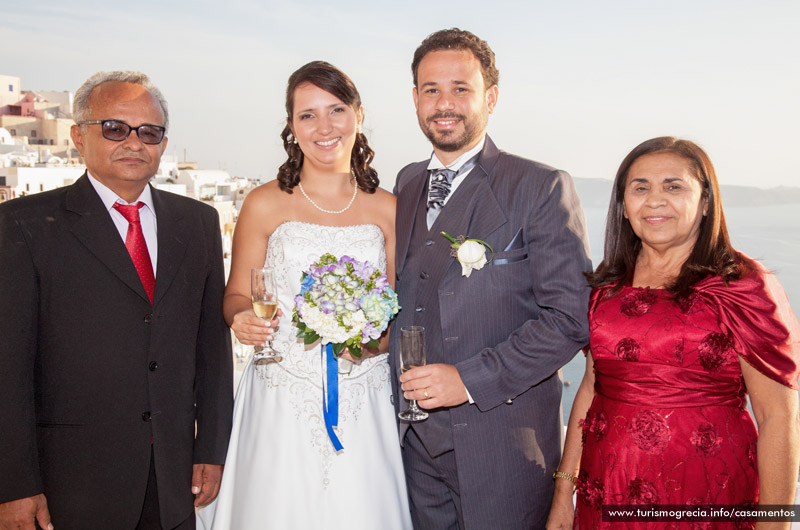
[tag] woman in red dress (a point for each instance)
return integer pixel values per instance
(683, 328)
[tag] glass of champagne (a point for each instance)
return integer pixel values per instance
(264, 294)
(412, 354)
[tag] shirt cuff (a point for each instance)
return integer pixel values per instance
(469, 397)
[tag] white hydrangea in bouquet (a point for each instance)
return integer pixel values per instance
(344, 302)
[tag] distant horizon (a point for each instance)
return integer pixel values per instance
(796, 186)
(581, 83)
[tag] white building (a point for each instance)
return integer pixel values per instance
(160, 184)
(202, 184)
(14, 152)
(29, 180)
(9, 90)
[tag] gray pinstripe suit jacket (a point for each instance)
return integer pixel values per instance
(508, 328)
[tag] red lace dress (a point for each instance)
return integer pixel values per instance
(668, 424)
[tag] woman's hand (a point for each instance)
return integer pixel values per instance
(562, 512)
(366, 353)
(775, 408)
(253, 331)
(346, 355)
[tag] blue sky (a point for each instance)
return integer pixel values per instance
(581, 83)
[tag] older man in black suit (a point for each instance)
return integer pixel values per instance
(115, 362)
(496, 336)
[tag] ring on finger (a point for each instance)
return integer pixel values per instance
(425, 393)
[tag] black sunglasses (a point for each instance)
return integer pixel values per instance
(117, 131)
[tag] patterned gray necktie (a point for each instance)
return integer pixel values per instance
(440, 182)
(439, 186)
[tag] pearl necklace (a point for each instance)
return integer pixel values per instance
(323, 210)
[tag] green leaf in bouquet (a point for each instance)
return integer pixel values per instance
(310, 338)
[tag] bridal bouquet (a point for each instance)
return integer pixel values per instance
(345, 303)
(342, 303)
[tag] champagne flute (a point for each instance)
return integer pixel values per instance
(412, 354)
(264, 294)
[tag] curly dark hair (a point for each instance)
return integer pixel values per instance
(334, 81)
(712, 254)
(458, 39)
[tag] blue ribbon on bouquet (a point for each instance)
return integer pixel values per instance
(330, 393)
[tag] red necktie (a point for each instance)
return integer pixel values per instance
(137, 246)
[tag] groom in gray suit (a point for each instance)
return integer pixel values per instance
(495, 338)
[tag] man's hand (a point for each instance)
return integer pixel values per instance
(434, 386)
(206, 479)
(21, 513)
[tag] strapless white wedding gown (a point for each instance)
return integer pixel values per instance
(281, 470)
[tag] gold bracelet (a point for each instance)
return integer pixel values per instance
(568, 476)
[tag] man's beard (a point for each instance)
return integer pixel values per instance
(448, 140)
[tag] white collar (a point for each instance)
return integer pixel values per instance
(109, 197)
(435, 163)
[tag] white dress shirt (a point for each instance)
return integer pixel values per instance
(147, 216)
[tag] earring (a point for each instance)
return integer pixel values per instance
(294, 140)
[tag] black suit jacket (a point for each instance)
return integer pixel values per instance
(91, 373)
(508, 327)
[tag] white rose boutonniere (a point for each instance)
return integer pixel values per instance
(470, 253)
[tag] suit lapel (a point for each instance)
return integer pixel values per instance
(407, 205)
(96, 231)
(172, 240)
(473, 211)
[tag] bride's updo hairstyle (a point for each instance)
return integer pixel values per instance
(332, 80)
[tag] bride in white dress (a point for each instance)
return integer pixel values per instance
(282, 471)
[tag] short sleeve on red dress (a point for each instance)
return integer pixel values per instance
(756, 315)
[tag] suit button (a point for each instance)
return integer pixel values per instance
(148, 319)
(419, 309)
(423, 275)
(429, 242)
(153, 366)
(146, 416)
